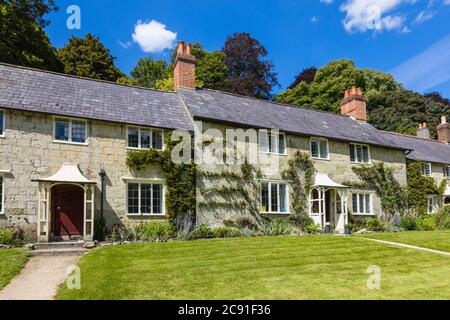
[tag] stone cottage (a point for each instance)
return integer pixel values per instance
(64, 142)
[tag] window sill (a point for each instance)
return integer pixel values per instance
(278, 213)
(322, 159)
(364, 214)
(142, 149)
(161, 215)
(70, 143)
(274, 154)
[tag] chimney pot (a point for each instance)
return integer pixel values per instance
(354, 104)
(443, 119)
(420, 126)
(188, 49)
(354, 91)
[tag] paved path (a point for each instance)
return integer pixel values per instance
(40, 278)
(404, 245)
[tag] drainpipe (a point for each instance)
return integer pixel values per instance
(102, 175)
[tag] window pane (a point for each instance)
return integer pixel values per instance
(133, 138)
(2, 121)
(323, 149)
(157, 140)
(78, 131)
(62, 130)
(133, 198)
(274, 197)
(365, 154)
(145, 139)
(273, 143)
(352, 153)
(338, 204)
(283, 198)
(314, 149)
(361, 203)
(367, 197)
(263, 141)
(355, 202)
(264, 197)
(359, 156)
(157, 199)
(281, 143)
(146, 198)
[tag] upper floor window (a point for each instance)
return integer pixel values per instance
(319, 148)
(362, 203)
(274, 143)
(446, 170)
(2, 123)
(70, 130)
(140, 138)
(426, 169)
(359, 153)
(145, 198)
(274, 197)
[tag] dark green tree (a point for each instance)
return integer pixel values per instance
(147, 71)
(22, 37)
(88, 57)
(250, 72)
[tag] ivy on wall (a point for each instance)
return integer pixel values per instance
(381, 178)
(420, 186)
(300, 168)
(180, 178)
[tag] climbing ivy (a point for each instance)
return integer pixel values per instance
(180, 178)
(420, 186)
(381, 178)
(300, 168)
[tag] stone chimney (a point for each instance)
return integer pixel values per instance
(184, 67)
(443, 130)
(354, 104)
(423, 131)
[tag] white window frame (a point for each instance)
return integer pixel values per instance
(446, 171)
(269, 136)
(356, 153)
(2, 198)
(356, 211)
(139, 129)
(434, 203)
(426, 164)
(318, 140)
(70, 120)
(269, 183)
(146, 181)
(3, 128)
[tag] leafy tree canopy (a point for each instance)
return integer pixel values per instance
(307, 75)
(88, 57)
(22, 38)
(147, 71)
(250, 73)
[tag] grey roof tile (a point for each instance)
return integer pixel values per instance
(40, 91)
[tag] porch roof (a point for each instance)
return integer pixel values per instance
(68, 173)
(323, 180)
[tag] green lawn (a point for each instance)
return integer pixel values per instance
(320, 267)
(439, 240)
(11, 263)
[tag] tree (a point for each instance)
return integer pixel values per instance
(147, 71)
(88, 57)
(211, 71)
(128, 81)
(22, 38)
(250, 73)
(307, 75)
(437, 97)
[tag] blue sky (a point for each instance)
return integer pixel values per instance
(410, 38)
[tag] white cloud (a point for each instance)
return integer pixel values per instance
(447, 2)
(363, 15)
(153, 36)
(424, 15)
(314, 19)
(125, 45)
(428, 69)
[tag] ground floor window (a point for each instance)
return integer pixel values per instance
(2, 193)
(432, 204)
(362, 203)
(145, 198)
(274, 197)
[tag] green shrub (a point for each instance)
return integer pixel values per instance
(427, 223)
(225, 232)
(301, 220)
(442, 218)
(11, 236)
(374, 224)
(408, 223)
(100, 230)
(277, 227)
(153, 231)
(313, 228)
(201, 232)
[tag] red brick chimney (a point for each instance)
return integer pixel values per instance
(184, 67)
(354, 104)
(443, 130)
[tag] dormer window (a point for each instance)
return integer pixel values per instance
(143, 138)
(359, 153)
(426, 169)
(70, 130)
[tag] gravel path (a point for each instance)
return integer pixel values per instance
(404, 245)
(40, 278)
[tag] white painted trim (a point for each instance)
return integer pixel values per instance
(371, 195)
(141, 181)
(287, 199)
(139, 129)
(318, 139)
(70, 120)
(2, 198)
(368, 153)
(428, 164)
(269, 137)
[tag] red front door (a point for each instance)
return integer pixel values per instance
(67, 210)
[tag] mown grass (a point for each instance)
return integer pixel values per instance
(319, 267)
(12, 262)
(438, 240)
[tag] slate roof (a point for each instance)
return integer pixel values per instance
(223, 107)
(422, 149)
(58, 94)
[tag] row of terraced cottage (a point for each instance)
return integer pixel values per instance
(64, 142)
